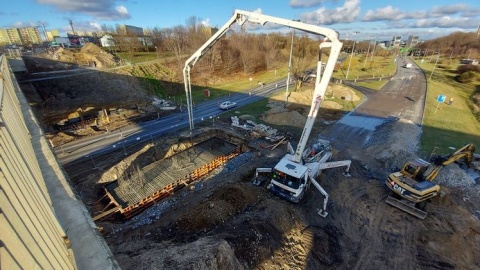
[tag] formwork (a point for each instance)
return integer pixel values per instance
(160, 179)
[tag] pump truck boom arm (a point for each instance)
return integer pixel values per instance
(321, 85)
(241, 17)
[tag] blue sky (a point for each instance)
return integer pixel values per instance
(372, 19)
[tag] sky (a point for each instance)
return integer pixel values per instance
(353, 19)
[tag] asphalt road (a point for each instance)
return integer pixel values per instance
(402, 97)
(147, 131)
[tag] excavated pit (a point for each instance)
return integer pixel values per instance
(184, 163)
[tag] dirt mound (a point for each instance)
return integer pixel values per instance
(292, 118)
(218, 208)
(203, 254)
(82, 92)
(341, 91)
(89, 55)
(296, 111)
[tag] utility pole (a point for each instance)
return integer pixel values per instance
(350, 62)
(71, 25)
(289, 65)
(434, 66)
(368, 51)
(373, 51)
(44, 30)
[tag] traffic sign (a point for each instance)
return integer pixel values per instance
(441, 98)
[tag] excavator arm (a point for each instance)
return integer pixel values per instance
(241, 17)
(465, 152)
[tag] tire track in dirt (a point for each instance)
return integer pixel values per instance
(376, 236)
(389, 237)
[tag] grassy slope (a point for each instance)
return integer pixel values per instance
(450, 125)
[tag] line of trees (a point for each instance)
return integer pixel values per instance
(238, 51)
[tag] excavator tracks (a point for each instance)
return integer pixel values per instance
(406, 206)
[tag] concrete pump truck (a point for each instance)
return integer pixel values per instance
(292, 176)
(299, 168)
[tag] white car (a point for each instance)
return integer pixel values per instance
(227, 105)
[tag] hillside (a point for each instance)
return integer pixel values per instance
(458, 44)
(66, 85)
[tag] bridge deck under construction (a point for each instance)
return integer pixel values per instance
(160, 179)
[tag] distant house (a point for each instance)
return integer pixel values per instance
(107, 41)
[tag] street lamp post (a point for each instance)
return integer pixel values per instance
(350, 62)
(434, 66)
(368, 51)
(373, 51)
(289, 65)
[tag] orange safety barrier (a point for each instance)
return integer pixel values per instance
(134, 209)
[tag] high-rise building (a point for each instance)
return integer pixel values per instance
(412, 41)
(396, 41)
(20, 36)
(129, 30)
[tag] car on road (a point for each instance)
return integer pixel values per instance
(227, 105)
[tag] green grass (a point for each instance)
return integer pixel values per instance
(255, 109)
(140, 57)
(241, 85)
(445, 125)
(373, 84)
(379, 67)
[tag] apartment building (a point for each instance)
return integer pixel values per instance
(412, 41)
(20, 36)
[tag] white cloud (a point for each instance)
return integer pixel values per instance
(122, 10)
(471, 12)
(347, 13)
(305, 3)
(446, 22)
(390, 14)
(205, 22)
(97, 9)
(447, 10)
(95, 25)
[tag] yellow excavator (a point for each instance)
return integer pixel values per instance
(412, 187)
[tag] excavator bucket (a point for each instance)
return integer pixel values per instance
(406, 206)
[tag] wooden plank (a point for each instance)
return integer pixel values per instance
(106, 213)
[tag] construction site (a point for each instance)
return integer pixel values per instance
(193, 199)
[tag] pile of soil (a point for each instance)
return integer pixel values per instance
(226, 222)
(296, 111)
(82, 92)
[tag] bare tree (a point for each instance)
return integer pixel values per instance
(272, 44)
(158, 37)
(305, 54)
(175, 42)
